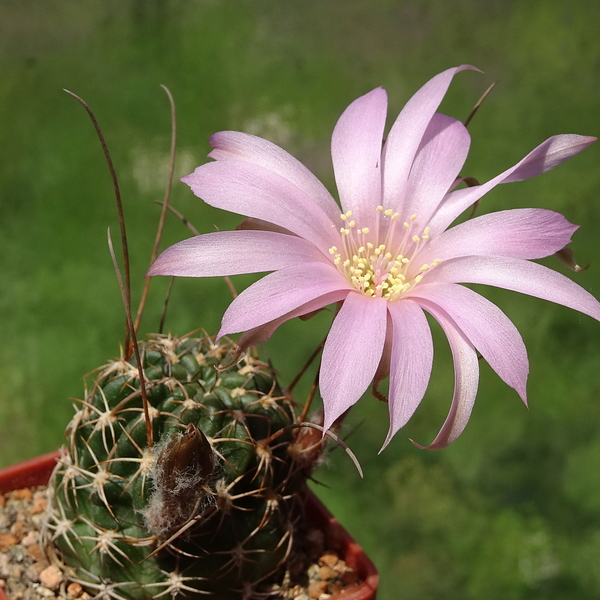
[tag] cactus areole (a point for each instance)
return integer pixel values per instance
(211, 507)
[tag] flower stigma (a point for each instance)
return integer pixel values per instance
(377, 263)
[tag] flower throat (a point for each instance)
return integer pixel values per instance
(377, 262)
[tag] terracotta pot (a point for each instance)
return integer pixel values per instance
(37, 471)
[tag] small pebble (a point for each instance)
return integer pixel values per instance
(36, 552)
(51, 577)
(74, 590)
(24, 494)
(31, 538)
(316, 588)
(39, 503)
(329, 558)
(7, 540)
(326, 573)
(17, 527)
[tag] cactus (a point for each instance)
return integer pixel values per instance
(210, 506)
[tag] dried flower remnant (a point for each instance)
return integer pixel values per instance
(388, 256)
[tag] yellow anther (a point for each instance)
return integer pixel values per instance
(379, 269)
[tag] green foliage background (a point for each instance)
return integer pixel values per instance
(512, 509)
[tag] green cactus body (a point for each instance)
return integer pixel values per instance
(208, 508)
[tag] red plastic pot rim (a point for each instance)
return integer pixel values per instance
(37, 471)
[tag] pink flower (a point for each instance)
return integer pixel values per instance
(388, 258)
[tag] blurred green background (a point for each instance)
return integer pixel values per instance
(512, 509)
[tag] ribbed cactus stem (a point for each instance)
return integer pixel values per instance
(211, 507)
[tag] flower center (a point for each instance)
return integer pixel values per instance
(378, 262)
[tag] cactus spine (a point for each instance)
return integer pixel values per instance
(209, 508)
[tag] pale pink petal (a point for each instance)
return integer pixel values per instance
(553, 152)
(440, 158)
(253, 191)
(259, 335)
(410, 364)
(466, 380)
(406, 134)
(234, 252)
(485, 326)
(545, 157)
(279, 293)
(234, 145)
(518, 233)
(517, 275)
(356, 153)
(351, 353)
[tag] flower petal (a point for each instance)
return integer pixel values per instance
(520, 276)
(251, 190)
(234, 252)
(485, 326)
(235, 145)
(259, 335)
(546, 156)
(279, 293)
(356, 153)
(351, 354)
(410, 364)
(407, 133)
(466, 380)
(441, 156)
(518, 233)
